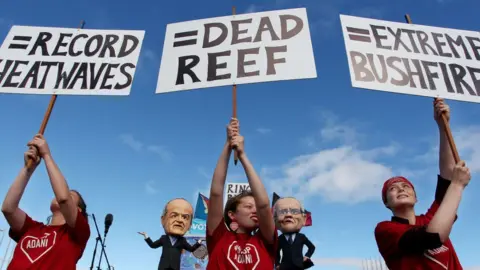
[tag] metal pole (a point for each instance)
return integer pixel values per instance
(6, 252)
(3, 236)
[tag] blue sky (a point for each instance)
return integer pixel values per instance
(129, 155)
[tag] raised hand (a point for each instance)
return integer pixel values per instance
(439, 108)
(143, 233)
(32, 154)
(237, 142)
(461, 174)
(233, 128)
(40, 143)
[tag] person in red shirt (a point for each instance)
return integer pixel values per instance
(233, 241)
(422, 242)
(55, 246)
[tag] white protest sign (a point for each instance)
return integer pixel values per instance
(240, 49)
(49, 60)
(233, 189)
(413, 59)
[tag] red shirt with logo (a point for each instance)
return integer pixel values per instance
(42, 247)
(388, 235)
(239, 251)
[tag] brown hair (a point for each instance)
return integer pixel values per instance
(232, 205)
(82, 205)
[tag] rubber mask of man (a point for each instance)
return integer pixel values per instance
(177, 217)
(290, 217)
(176, 221)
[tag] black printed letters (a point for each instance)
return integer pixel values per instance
(410, 68)
(247, 57)
(92, 70)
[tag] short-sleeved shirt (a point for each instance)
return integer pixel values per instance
(228, 250)
(389, 233)
(42, 247)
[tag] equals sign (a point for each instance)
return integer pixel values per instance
(359, 34)
(187, 41)
(20, 46)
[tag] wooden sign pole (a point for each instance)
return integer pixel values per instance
(446, 125)
(46, 117)
(234, 100)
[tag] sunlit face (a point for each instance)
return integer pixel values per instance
(178, 217)
(55, 207)
(246, 214)
(289, 217)
(400, 195)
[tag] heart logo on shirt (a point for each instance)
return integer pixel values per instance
(36, 247)
(440, 256)
(243, 255)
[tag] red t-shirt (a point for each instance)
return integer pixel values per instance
(388, 234)
(42, 247)
(231, 251)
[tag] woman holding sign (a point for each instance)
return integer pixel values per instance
(233, 241)
(409, 241)
(58, 245)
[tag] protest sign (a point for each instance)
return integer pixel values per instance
(50, 60)
(238, 49)
(413, 59)
(233, 189)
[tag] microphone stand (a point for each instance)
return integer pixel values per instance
(103, 251)
(99, 239)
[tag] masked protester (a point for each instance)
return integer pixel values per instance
(176, 221)
(243, 236)
(59, 244)
(290, 218)
(419, 242)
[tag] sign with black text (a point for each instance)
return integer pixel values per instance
(413, 59)
(239, 49)
(50, 60)
(233, 189)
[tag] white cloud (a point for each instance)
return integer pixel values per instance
(164, 154)
(263, 130)
(348, 172)
(138, 146)
(466, 139)
(149, 187)
(130, 141)
(345, 173)
(335, 131)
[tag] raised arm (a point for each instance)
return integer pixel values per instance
(443, 219)
(262, 202)
(446, 159)
(158, 243)
(13, 214)
(215, 205)
(68, 207)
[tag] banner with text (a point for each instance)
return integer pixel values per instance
(50, 60)
(240, 49)
(233, 189)
(198, 228)
(413, 59)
